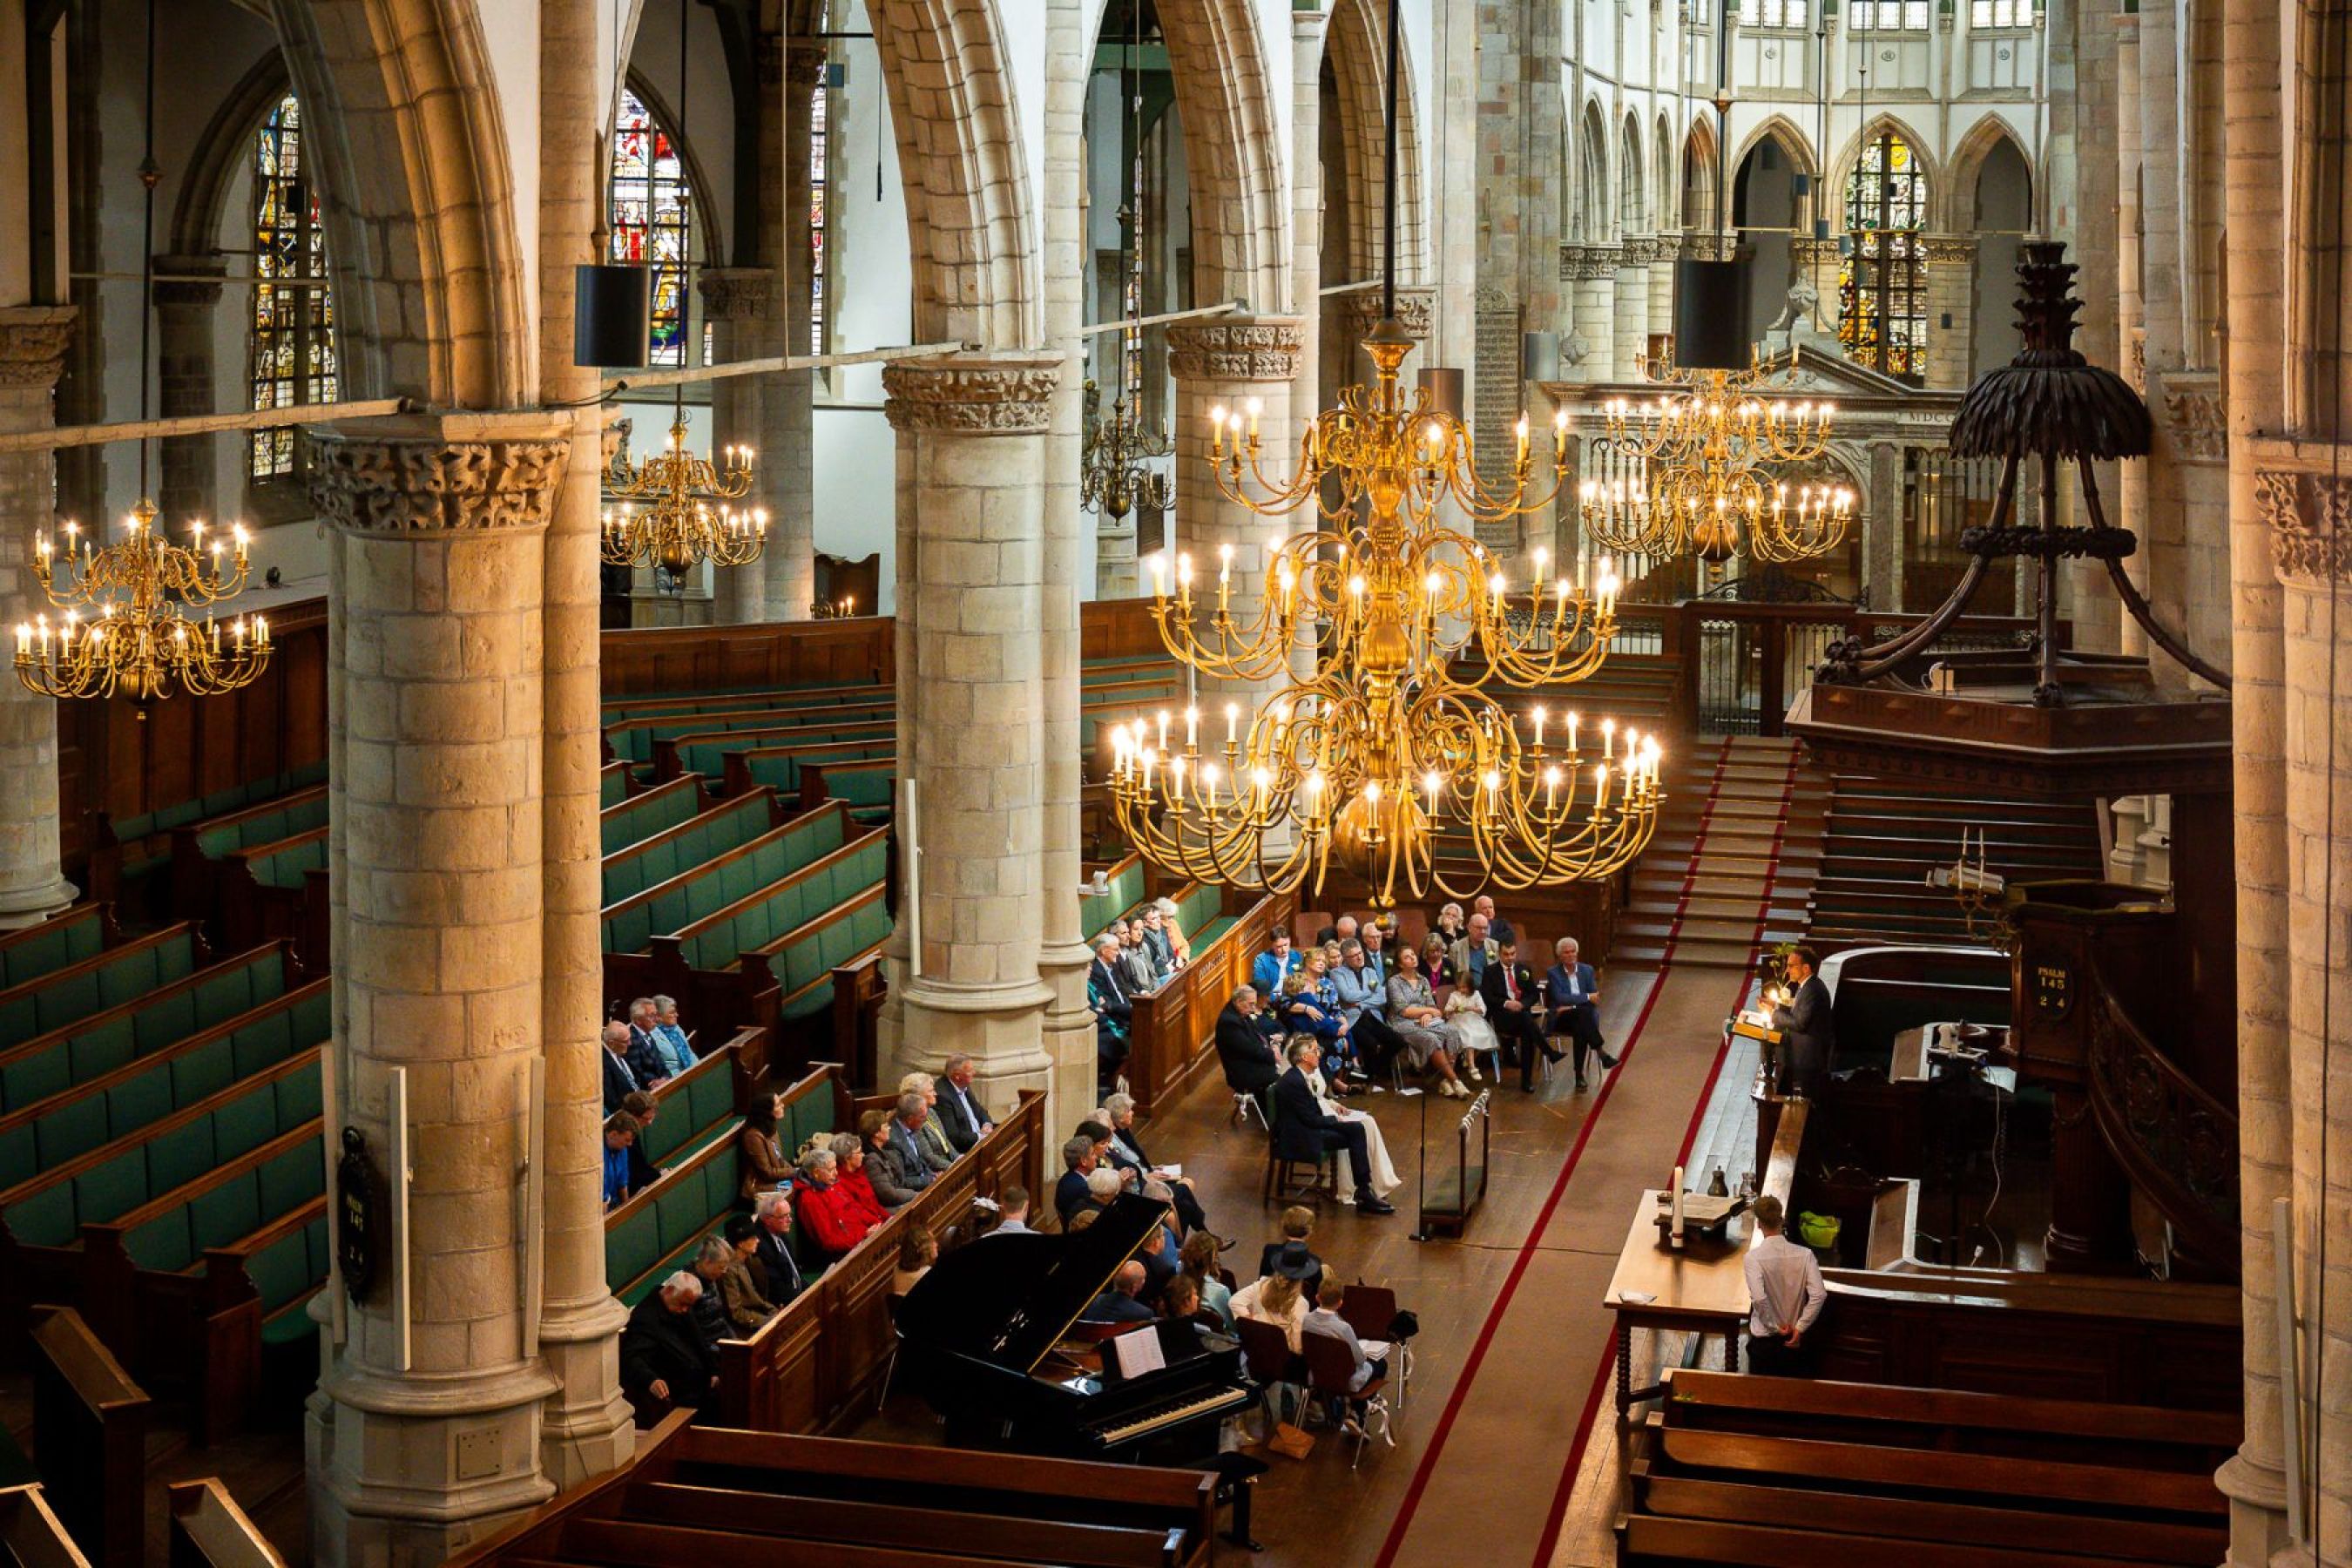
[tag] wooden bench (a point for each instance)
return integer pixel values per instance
(693, 842)
(275, 891)
(864, 789)
(32, 1535)
(777, 766)
(787, 987)
(90, 1428)
(713, 1091)
(197, 847)
(613, 785)
(633, 740)
(1172, 1036)
(80, 932)
(42, 1003)
(707, 753)
(644, 815)
(617, 709)
(209, 1530)
(630, 924)
(127, 851)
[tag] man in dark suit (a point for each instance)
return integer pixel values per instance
(1515, 1008)
(958, 1109)
(1070, 1192)
(1339, 930)
(1303, 1129)
(1118, 1303)
(665, 1362)
(1113, 1011)
(774, 1253)
(1251, 1063)
(1572, 996)
(620, 1082)
(1805, 1027)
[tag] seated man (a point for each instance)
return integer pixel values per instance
(620, 1079)
(1012, 1211)
(1324, 1318)
(1514, 1009)
(1573, 993)
(1113, 1011)
(1136, 970)
(919, 1165)
(1077, 1161)
(1341, 930)
(1118, 1303)
(1249, 1058)
(1476, 950)
(1126, 1150)
(1159, 937)
(646, 1058)
(665, 1362)
(1303, 1129)
(1496, 926)
(1273, 967)
(1298, 1227)
(620, 1138)
(774, 1253)
(1363, 993)
(960, 1113)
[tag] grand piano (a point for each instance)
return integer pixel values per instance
(984, 1338)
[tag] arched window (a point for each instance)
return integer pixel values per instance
(292, 351)
(819, 206)
(652, 219)
(1882, 284)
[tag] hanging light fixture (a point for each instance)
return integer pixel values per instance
(1691, 471)
(683, 516)
(1115, 472)
(125, 630)
(1384, 754)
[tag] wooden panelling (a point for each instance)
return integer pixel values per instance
(1112, 629)
(1173, 1034)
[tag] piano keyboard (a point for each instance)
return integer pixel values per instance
(1143, 1423)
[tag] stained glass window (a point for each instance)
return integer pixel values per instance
(820, 189)
(1888, 15)
(1881, 284)
(653, 215)
(293, 341)
(1787, 13)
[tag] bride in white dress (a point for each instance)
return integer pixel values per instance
(1384, 1176)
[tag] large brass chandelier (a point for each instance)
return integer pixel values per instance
(1380, 743)
(124, 631)
(1114, 461)
(685, 516)
(1691, 471)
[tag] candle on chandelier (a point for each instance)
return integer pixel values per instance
(1521, 433)
(1184, 579)
(1254, 407)
(1430, 782)
(1191, 729)
(1158, 564)
(1551, 788)
(1434, 433)
(1601, 794)
(1608, 737)
(1163, 729)
(1571, 731)
(1559, 436)
(1495, 582)
(1176, 782)
(1216, 432)
(1225, 572)
(1233, 717)
(1539, 716)
(1209, 777)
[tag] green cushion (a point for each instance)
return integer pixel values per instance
(281, 1271)
(70, 938)
(220, 1215)
(613, 786)
(290, 1325)
(1210, 931)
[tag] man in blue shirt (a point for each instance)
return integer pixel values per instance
(1273, 968)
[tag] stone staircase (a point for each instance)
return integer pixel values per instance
(1733, 862)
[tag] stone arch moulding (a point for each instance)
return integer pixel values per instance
(970, 222)
(1633, 180)
(1357, 45)
(1665, 198)
(699, 191)
(1699, 175)
(1596, 203)
(221, 155)
(1848, 155)
(1952, 201)
(417, 194)
(1232, 153)
(1793, 142)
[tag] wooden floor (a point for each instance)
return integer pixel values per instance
(1514, 1344)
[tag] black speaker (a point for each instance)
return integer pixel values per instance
(613, 316)
(1711, 315)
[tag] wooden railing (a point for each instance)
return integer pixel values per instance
(90, 1428)
(812, 1363)
(1174, 1033)
(2177, 1142)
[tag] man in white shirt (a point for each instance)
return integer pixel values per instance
(1785, 1294)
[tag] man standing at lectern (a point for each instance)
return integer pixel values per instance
(1805, 1028)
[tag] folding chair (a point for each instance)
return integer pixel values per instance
(1329, 1370)
(1370, 1310)
(1265, 1356)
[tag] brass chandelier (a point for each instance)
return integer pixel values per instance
(125, 630)
(1115, 472)
(1690, 471)
(1382, 755)
(685, 518)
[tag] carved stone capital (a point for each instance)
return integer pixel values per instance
(735, 293)
(2304, 495)
(1948, 249)
(2135, 361)
(1666, 247)
(1639, 250)
(189, 279)
(1571, 257)
(1809, 253)
(2195, 416)
(972, 394)
(1596, 261)
(33, 341)
(1360, 312)
(1236, 348)
(423, 474)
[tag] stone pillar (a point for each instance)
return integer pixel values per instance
(1632, 320)
(585, 1426)
(188, 486)
(735, 301)
(1882, 529)
(430, 1423)
(973, 442)
(1664, 250)
(1062, 955)
(2131, 477)
(1951, 310)
(1596, 305)
(2087, 115)
(1307, 28)
(33, 341)
(788, 566)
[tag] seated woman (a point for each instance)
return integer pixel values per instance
(757, 1154)
(849, 1151)
(1465, 1009)
(887, 1164)
(1198, 1262)
(740, 1296)
(1280, 1299)
(1436, 964)
(828, 1217)
(917, 1251)
(1429, 1038)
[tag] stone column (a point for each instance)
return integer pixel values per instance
(1596, 307)
(188, 486)
(973, 442)
(735, 301)
(33, 341)
(2131, 477)
(585, 1426)
(1307, 28)
(1631, 322)
(788, 566)
(2193, 437)
(1663, 249)
(430, 1421)
(1951, 310)
(2088, 116)
(1882, 529)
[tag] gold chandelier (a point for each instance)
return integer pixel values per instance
(1690, 473)
(685, 518)
(1383, 753)
(125, 631)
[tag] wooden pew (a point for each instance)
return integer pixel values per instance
(52, 1000)
(1173, 1034)
(706, 752)
(198, 848)
(209, 1530)
(812, 1365)
(680, 850)
(275, 891)
(82, 931)
(784, 987)
(649, 812)
(30, 1532)
(89, 1426)
(630, 924)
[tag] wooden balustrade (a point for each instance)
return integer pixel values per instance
(810, 1365)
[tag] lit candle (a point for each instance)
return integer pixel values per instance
(1216, 432)
(1608, 737)
(1600, 795)
(1183, 577)
(1255, 407)
(1163, 729)
(1233, 716)
(1520, 434)
(24, 638)
(1209, 777)
(1539, 724)
(1551, 788)
(1571, 731)
(1225, 572)
(1158, 564)
(1176, 782)
(1430, 782)
(1192, 730)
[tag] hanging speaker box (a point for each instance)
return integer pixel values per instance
(613, 316)
(1711, 315)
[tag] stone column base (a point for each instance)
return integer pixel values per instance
(582, 1349)
(31, 906)
(1001, 1029)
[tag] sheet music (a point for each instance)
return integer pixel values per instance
(1139, 1354)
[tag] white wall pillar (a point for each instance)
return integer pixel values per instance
(33, 341)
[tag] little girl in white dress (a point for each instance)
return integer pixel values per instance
(1466, 1011)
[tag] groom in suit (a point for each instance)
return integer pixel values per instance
(1572, 992)
(1514, 1008)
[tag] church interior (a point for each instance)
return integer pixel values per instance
(1658, 686)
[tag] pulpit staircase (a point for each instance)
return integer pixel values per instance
(1732, 866)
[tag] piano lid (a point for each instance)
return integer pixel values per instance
(1011, 1298)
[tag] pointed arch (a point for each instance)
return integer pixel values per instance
(1952, 200)
(220, 156)
(1633, 177)
(1232, 153)
(1665, 198)
(1596, 206)
(1792, 139)
(1880, 124)
(1699, 160)
(1356, 46)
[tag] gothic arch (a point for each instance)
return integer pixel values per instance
(221, 155)
(1632, 174)
(1793, 142)
(1697, 196)
(705, 198)
(1357, 47)
(1596, 205)
(1666, 201)
(1950, 202)
(970, 229)
(418, 198)
(1833, 192)
(1233, 151)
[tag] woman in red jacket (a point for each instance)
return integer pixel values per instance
(849, 1157)
(829, 1215)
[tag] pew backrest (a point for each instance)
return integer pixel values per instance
(666, 905)
(103, 980)
(209, 1530)
(80, 934)
(678, 850)
(265, 822)
(641, 816)
(284, 863)
(760, 917)
(149, 1020)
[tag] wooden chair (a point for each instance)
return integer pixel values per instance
(1370, 1310)
(1267, 1356)
(1281, 1173)
(1330, 1369)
